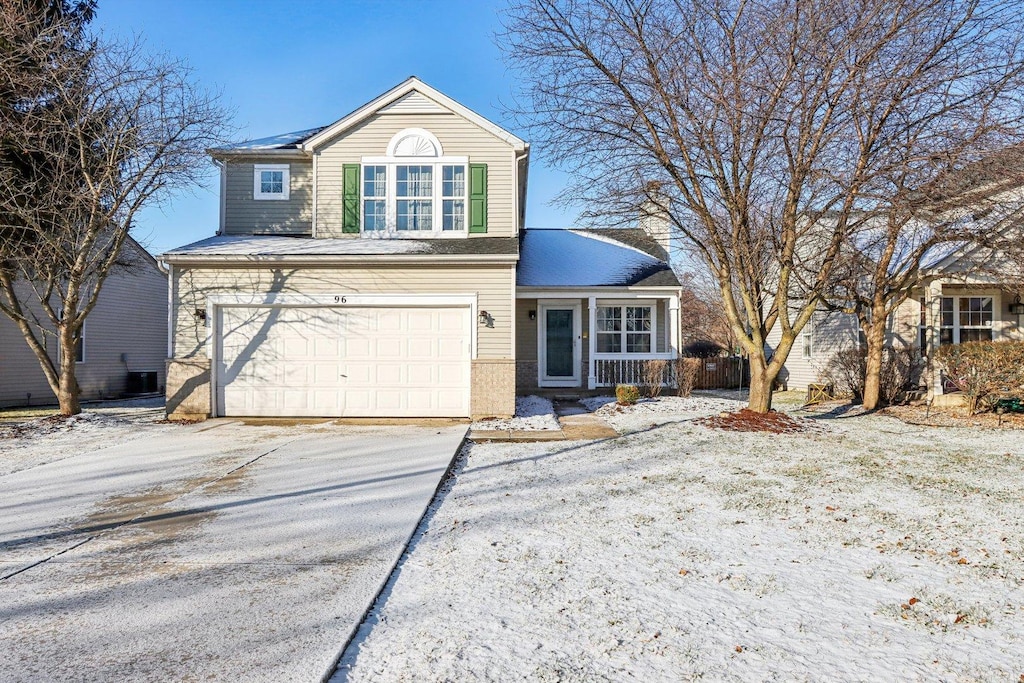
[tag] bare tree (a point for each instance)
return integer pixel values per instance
(917, 223)
(764, 129)
(96, 132)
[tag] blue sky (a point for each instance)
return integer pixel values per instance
(294, 65)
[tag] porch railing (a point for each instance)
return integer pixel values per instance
(712, 373)
(611, 371)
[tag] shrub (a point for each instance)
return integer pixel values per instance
(687, 370)
(984, 371)
(627, 394)
(846, 369)
(704, 349)
(654, 377)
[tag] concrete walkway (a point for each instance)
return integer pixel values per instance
(575, 421)
(235, 553)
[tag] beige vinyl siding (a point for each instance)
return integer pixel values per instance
(492, 284)
(130, 318)
(457, 136)
(244, 215)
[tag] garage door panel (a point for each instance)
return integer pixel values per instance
(304, 361)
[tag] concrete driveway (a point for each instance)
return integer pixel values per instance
(208, 552)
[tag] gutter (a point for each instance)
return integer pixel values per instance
(333, 259)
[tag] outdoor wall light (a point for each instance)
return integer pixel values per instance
(485, 318)
(532, 314)
(200, 314)
(1017, 308)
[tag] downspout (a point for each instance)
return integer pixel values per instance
(223, 166)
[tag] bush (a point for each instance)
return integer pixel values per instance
(704, 349)
(687, 370)
(654, 377)
(901, 368)
(627, 394)
(984, 371)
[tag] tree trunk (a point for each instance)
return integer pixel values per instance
(68, 390)
(875, 336)
(761, 381)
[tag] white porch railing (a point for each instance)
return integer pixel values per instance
(632, 370)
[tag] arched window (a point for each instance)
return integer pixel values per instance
(414, 190)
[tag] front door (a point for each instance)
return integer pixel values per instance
(559, 345)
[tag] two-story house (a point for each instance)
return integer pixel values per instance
(380, 267)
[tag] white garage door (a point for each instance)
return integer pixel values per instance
(345, 362)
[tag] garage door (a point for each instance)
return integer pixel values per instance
(346, 362)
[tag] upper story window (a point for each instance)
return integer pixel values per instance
(270, 181)
(415, 189)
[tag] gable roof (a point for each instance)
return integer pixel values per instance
(591, 258)
(401, 98)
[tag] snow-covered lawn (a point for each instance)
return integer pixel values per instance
(28, 442)
(533, 413)
(868, 549)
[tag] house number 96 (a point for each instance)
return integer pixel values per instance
(340, 300)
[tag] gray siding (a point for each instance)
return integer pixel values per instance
(130, 318)
(831, 332)
(244, 215)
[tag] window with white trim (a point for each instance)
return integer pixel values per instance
(415, 189)
(625, 329)
(271, 181)
(807, 337)
(966, 319)
(80, 345)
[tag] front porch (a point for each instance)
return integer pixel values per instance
(587, 340)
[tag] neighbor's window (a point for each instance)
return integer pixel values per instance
(625, 329)
(807, 336)
(922, 327)
(270, 181)
(80, 345)
(966, 319)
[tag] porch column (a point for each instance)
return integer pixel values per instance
(673, 326)
(592, 344)
(933, 320)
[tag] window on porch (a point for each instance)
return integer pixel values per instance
(966, 319)
(625, 329)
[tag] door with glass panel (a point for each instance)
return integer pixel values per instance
(559, 347)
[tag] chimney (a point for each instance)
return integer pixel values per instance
(654, 218)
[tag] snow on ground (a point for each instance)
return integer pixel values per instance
(533, 413)
(36, 441)
(868, 550)
(649, 412)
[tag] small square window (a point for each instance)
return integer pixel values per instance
(271, 181)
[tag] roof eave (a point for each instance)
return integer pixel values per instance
(333, 259)
(400, 90)
(217, 153)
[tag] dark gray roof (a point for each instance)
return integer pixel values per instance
(592, 258)
(283, 141)
(267, 245)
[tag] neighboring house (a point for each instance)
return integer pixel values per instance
(125, 333)
(369, 268)
(961, 298)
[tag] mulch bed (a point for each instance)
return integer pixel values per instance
(921, 415)
(746, 420)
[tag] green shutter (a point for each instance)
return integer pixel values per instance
(350, 194)
(478, 197)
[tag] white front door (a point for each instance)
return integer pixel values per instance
(559, 345)
(343, 362)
